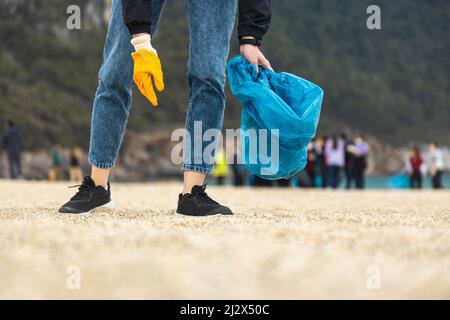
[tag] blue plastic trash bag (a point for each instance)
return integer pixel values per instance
(286, 106)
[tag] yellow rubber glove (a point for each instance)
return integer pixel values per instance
(147, 66)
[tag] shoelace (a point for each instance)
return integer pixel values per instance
(84, 191)
(203, 196)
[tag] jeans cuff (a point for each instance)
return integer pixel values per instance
(200, 169)
(100, 165)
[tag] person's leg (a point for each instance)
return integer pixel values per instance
(332, 177)
(110, 112)
(79, 174)
(338, 176)
(419, 180)
(210, 28)
(312, 179)
(348, 177)
(433, 180)
(71, 174)
(361, 179)
(439, 179)
(357, 176)
(15, 167)
(324, 173)
(11, 166)
(415, 179)
(57, 173)
(113, 98)
(19, 164)
(329, 176)
(352, 177)
(284, 183)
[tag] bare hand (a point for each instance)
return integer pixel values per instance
(254, 56)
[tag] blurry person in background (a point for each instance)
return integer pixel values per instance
(260, 182)
(349, 160)
(335, 157)
(311, 165)
(239, 171)
(360, 161)
(321, 166)
(220, 170)
(55, 173)
(435, 161)
(239, 174)
(75, 172)
(13, 144)
(415, 167)
(284, 183)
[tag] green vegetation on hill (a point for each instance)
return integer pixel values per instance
(391, 83)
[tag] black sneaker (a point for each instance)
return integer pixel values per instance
(87, 198)
(197, 203)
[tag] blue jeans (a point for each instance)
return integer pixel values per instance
(210, 27)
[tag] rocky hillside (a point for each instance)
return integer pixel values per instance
(390, 83)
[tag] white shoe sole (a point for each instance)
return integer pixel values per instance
(109, 205)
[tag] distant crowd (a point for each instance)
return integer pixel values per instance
(339, 161)
(59, 170)
(433, 163)
(64, 168)
(331, 159)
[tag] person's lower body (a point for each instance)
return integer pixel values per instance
(210, 28)
(57, 173)
(238, 175)
(260, 182)
(333, 178)
(284, 183)
(416, 180)
(75, 174)
(436, 180)
(359, 178)
(349, 175)
(324, 176)
(238, 181)
(312, 178)
(220, 181)
(15, 165)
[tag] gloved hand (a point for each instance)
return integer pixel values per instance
(147, 66)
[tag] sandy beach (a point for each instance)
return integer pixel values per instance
(280, 244)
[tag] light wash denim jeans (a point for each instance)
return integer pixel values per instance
(210, 27)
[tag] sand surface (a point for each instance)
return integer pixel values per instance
(281, 243)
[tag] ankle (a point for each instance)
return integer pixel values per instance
(100, 184)
(100, 177)
(186, 190)
(192, 179)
